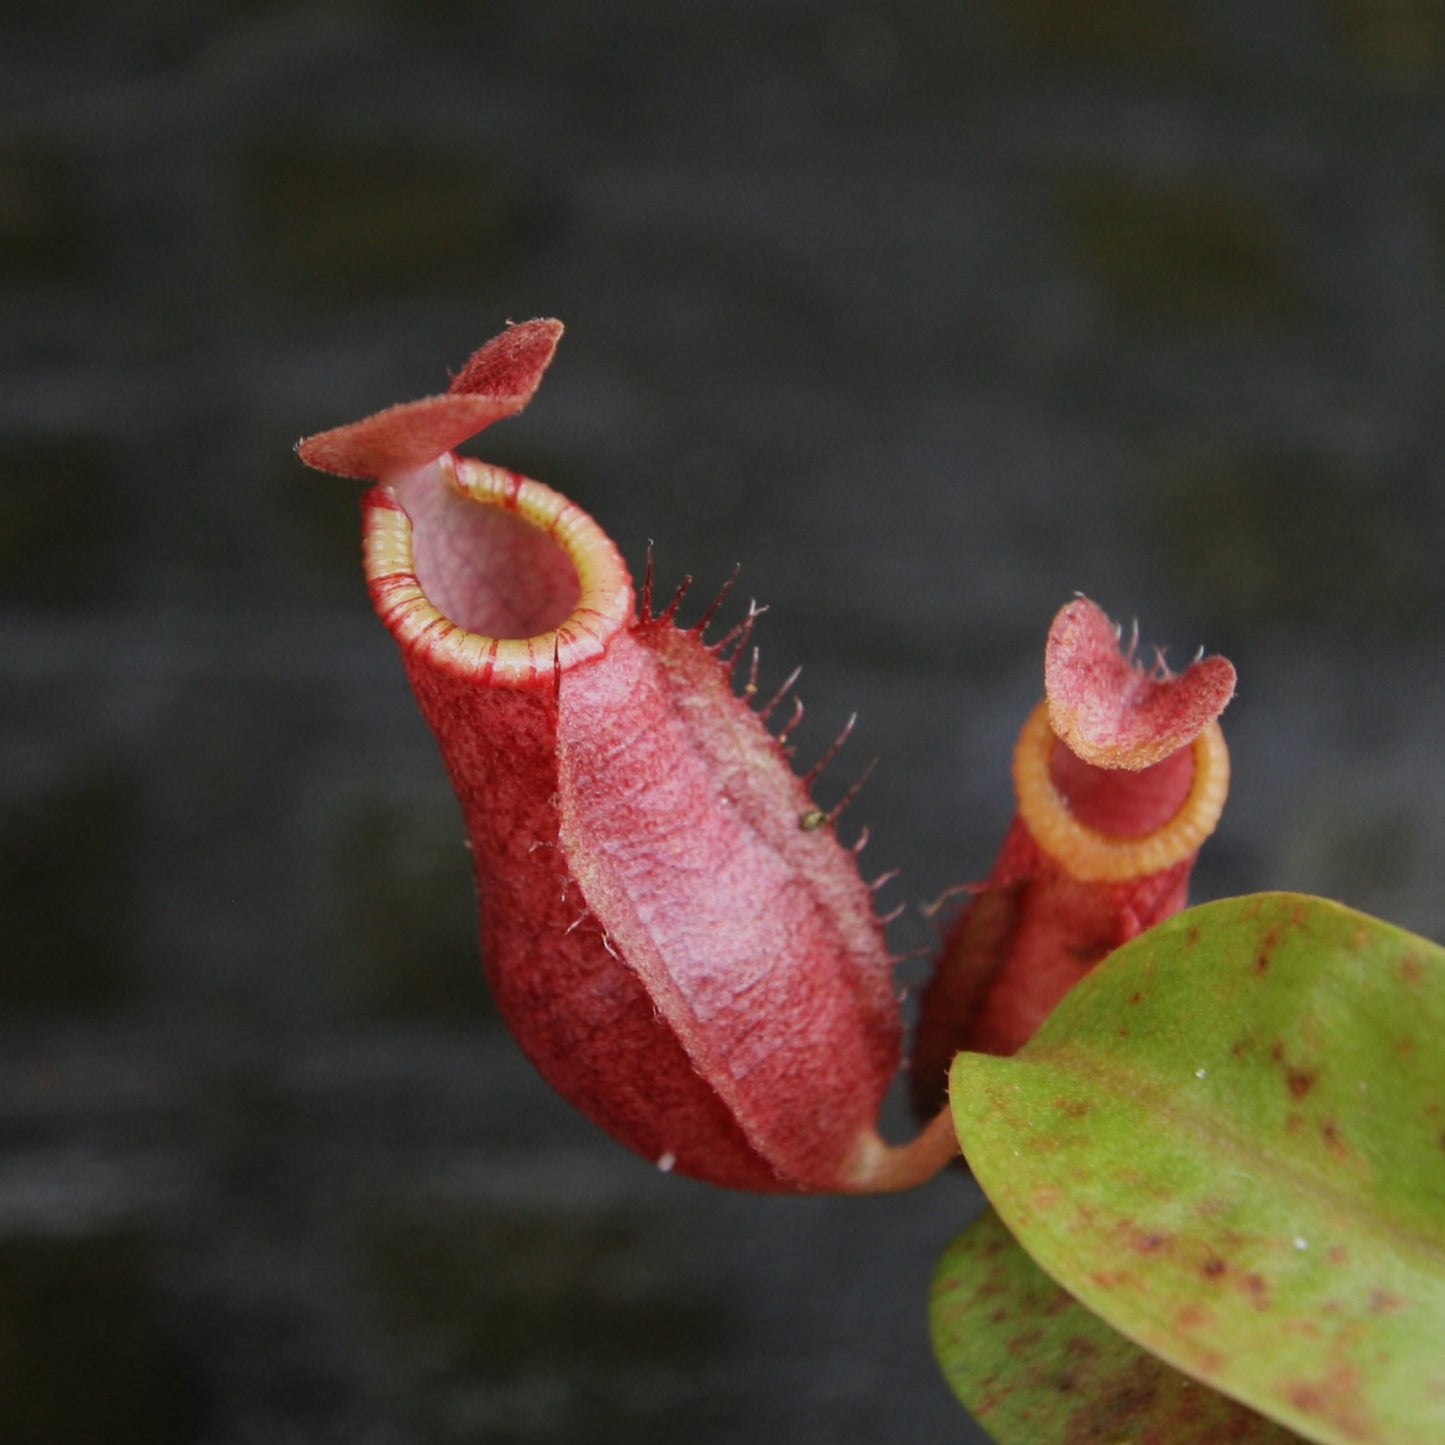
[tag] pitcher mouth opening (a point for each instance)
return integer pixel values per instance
(495, 576)
(1106, 825)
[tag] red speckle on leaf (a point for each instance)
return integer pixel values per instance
(1257, 1288)
(1335, 1401)
(1298, 1081)
(1267, 946)
(1212, 1267)
(1113, 1279)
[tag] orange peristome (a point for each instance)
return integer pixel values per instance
(1081, 845)
(681, 954)
(1120, 776)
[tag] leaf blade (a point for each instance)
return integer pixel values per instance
(1033, 1365)
(1229, 1142)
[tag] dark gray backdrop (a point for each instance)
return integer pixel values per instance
(929, 314)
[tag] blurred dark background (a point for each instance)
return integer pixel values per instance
(929, 314)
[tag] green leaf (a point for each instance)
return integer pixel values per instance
(1035, 1367)
(1229, 1141)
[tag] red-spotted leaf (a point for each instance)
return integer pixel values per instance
(1229, 1141)
(1035, 1367)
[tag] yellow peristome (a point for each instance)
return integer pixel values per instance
(604, 599)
